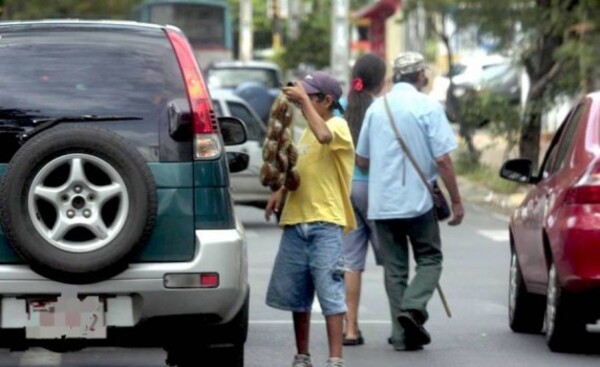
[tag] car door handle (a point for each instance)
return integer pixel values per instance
(244, 150)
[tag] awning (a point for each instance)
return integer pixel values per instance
(378, 10)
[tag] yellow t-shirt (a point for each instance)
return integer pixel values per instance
(325, 177)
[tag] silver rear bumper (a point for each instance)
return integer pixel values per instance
(220, 251)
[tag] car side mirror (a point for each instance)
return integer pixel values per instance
(233, 130)
(518, 170)
(237, 161)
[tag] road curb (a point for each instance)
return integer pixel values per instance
(479, 194)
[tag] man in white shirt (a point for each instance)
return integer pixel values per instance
(399, 202)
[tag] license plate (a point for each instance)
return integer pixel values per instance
(66, 317)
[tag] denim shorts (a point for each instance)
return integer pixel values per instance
(310, 259)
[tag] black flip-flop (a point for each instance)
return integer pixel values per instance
(359, 340)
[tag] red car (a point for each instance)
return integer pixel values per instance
(555, 234)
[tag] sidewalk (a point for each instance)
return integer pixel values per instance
(475, 193)
(493, 153)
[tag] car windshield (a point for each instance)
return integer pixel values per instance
(498, 73)
(456, 69)
(232, 77)
(495, 71)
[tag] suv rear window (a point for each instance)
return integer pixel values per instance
(73, 70)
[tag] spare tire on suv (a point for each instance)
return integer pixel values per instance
(77, 203)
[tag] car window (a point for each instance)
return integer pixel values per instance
(49, 71)
(499, 73)
(495, 71)
(46, 74)
(456, 69)
(545, 171)
(232, 77)
(253, 125)
(567, 141)
(552, 149)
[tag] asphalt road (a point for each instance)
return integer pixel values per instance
(475, 281)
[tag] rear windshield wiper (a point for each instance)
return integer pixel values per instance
(46, 123)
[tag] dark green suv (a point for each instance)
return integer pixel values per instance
(118, 226)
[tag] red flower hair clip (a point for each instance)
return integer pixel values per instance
(357, 84)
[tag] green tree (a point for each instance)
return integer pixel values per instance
(551, 44)
(313, 46)
(261, 24)
(553, 39)
(469, 112)
(82, 9)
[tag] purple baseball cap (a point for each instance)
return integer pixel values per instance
(321, 82)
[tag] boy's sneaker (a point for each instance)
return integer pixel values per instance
(302, 360)
(335, 362)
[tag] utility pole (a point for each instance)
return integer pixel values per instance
(277, 10)
(340, 41)
(276, 14)
(415, 26)
(246, 35)
(294, 19)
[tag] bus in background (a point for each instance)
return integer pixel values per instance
(206, 23)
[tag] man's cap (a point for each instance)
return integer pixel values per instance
(409, 62)
(321, 82)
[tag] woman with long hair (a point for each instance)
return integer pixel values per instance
(368, 78)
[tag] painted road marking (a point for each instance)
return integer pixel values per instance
(320, 322)
(495, 235)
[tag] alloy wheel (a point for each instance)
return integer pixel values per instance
(78, 202)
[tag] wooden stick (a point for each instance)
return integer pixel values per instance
(444, 302)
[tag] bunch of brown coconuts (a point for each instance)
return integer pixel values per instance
(280, 155)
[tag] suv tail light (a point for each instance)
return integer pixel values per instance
(587, 190)
(207, 143)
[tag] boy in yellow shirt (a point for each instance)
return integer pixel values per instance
(315, 216)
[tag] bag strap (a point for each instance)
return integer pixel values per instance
(404, 147)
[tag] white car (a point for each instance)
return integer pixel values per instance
(246, 186)
(465, 74)
(257, 82)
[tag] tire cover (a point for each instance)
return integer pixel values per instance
(77, 203)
